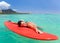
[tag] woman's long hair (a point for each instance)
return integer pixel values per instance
(19, 23)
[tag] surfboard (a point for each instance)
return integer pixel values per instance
(28, 32)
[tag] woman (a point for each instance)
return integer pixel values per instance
(30, 25)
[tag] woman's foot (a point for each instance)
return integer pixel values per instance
(39, 32)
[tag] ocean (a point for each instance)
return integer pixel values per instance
(49, 23)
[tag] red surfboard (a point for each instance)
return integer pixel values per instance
(28, 32)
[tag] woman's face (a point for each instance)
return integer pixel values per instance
(23, 23)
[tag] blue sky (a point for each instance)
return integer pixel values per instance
(35, 6)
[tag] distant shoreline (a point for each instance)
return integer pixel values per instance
(10, 11)
(15, 13)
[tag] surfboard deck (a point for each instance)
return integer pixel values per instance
(28, 32)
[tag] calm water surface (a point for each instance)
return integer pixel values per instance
(49, 22)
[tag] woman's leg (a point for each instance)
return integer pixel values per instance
(34, 27)
(37, 30)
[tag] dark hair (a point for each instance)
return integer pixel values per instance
(19, 23)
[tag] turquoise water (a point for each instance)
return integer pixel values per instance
(49, 22)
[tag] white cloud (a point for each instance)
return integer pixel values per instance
(4, 5)
(14, 9)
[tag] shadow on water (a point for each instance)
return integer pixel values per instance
(40, 28)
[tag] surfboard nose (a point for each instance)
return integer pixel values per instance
(47, 36)
(52, 37)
